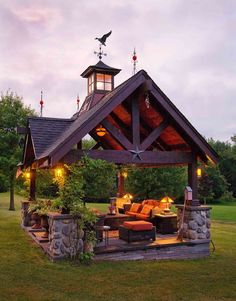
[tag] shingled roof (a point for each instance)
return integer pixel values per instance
(45, 131)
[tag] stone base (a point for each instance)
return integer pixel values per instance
(64, 238)
(197, 221)
(188, 250)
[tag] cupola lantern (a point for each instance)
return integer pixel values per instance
(100, 78)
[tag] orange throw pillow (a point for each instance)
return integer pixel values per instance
(146, 209)
(135, 207)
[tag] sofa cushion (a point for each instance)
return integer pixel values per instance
(141, 216)
(131, 213)
(151, 202)
(138, 225)
(135, 207)
(146, 209)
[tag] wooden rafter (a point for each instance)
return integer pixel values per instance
(135, 121)
(154, 134)
(117, 134)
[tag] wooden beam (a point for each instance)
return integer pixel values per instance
(32, 191)
(154, 134)
(193, 180)
(121, 184)
(126, 157)
(135, 121)
(117, 134)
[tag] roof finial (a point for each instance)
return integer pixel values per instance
(102, 41)
(78, 101)
(134, 58)
(41, 104)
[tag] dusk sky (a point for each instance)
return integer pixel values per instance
(188, 47)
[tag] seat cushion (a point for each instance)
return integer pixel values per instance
(131, 213)
(141, 216)
(138, 225)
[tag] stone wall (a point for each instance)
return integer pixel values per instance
(197, 222)
(64, 238)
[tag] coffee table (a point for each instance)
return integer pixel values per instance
(115, 220)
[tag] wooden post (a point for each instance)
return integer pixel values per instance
(121, 184)
(135, 122)
(193, 180)
(32, 184)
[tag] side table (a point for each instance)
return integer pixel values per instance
(165, 224)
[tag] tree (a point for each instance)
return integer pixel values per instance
(157, 182)
(13, 113)
(99, 178)
(227, 161)
(212, 184)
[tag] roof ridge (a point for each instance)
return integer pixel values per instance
(50, 118)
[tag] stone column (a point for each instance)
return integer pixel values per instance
(196, 222)
(64, 238)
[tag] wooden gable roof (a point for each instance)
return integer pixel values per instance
(162, 128)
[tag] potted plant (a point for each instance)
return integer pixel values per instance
(35, 218)
(45, 208)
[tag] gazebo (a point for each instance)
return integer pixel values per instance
(134, 123)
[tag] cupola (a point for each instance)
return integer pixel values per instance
(100, 78)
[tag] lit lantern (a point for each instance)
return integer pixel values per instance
(199, 172)
(27, 175)
(58, 172)
(125, 174)
(167, 201)
(100, 131)
(128, 196)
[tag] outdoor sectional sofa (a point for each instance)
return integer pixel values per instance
(145, 210)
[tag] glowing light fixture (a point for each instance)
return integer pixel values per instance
(27, 175)
(128, 196)
(101, 131)
(58, 172)
(167, 200)
(125, 174)
(199, 172)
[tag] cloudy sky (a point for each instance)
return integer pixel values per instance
(188, 47)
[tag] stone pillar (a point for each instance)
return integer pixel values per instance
(64, 238)
(196, 222)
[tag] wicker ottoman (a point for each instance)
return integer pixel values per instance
(137, 231)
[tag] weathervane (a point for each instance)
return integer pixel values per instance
(41, 104)
(102, 41)
(134, 58)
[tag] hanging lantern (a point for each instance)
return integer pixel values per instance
(101, 131)
(199, 172)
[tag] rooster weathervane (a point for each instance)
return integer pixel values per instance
(102, 41)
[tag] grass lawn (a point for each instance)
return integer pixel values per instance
(26, 274)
